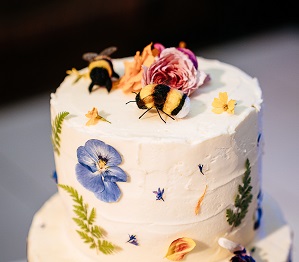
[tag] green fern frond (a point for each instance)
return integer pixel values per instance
(242, 200)
(56, 130)
(91, 234)
(105, 247)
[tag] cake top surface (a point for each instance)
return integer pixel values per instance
(200, 124)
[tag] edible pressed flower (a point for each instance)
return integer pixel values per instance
(98, 170)
(55, 177)
(241, 255)
(200, 166)
(133, 240)
(197, 208)
(131, 81)
(222, 104)
(94, 117)
(179, 248)
(159, 194)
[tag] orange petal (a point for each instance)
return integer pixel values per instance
(179, 248)
(200, 200)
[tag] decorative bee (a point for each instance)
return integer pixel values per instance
(100, 69)
(170, 101)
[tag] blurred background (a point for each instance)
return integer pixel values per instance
(40, 40)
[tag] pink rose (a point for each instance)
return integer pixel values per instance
(175, 69)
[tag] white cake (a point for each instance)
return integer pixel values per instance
(199, 161)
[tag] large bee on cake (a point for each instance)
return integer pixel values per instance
(161, 97)
(101, 68)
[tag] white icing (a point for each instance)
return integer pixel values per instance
(162, 155)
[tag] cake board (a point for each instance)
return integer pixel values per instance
(48, 242)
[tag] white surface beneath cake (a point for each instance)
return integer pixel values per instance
(47, 240)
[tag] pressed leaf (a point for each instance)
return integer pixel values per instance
(105, 247)
(242, 200)
(91, 234)
(56, 130)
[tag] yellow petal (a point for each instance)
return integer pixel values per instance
(217, 103)
(218, 110)
(231, 106)
(179, 248)
(223, 97)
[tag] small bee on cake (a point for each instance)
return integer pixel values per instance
(100, 69)
(170, 101)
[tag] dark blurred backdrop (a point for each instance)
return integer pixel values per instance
(40, 40)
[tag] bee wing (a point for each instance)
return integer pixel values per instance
(89, 56)
(108, 51)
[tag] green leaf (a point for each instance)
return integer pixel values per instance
(105, 247)
(92, 216)
(90, 233)
(56, 130)
(242, 200)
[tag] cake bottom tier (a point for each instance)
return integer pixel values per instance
(48, 241)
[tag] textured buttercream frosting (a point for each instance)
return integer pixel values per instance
(158, 155)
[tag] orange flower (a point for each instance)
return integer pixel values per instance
(221, 105)
(179, 248)
(131, 80)
(94, 117)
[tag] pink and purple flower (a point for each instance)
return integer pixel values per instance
(175, 67)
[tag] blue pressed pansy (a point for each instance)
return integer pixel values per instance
(98, 170)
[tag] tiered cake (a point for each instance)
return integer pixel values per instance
(140, 189)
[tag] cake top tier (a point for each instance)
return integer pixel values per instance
(200, 124)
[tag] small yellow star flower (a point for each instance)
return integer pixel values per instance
(221, 105)
(94, 117)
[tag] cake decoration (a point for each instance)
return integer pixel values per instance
(176, 67)
(100, 69)
(133, 240)
(55, 177)
(222, 104)
(259, 211)
(170, 101)
(242, 201)
(90, 233)
(98, 170)
(259, 139)
(197, 208)
(179, 248)
(94, 117)
(200, 166)
(159, 194)
(56, 130)
(131, 80)
(240, 253)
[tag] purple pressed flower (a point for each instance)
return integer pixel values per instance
(159, 194)
(133, 240)
(200, 166)
(98, 170)
(54, 176)
(238, 250)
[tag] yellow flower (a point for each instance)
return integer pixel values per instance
(94, 117)
(179, 248)
(221, 105)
